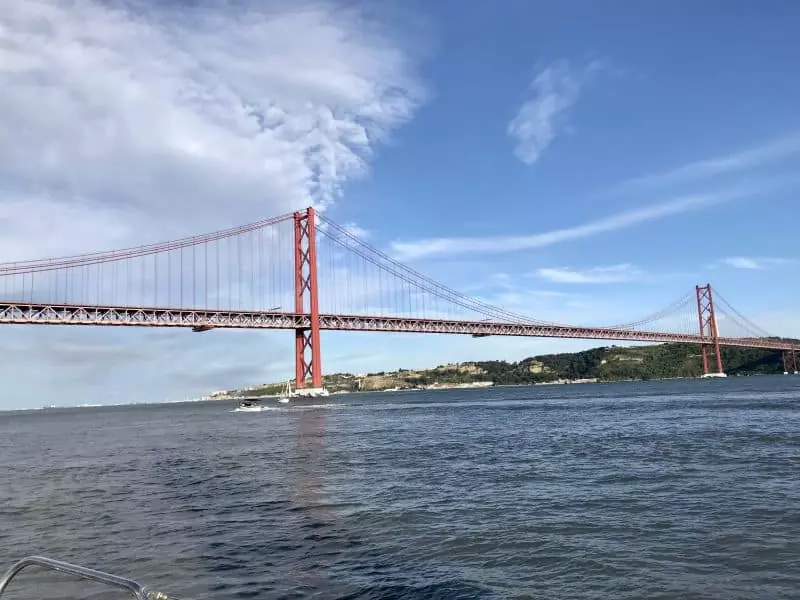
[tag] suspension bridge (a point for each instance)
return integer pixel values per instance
(303, 272)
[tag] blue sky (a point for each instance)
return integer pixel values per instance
(571, 160)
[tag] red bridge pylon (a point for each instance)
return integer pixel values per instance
(308, 362)
(708, 326)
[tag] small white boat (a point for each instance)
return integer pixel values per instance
(249, 406)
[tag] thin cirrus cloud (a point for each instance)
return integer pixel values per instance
(595, 275)
(743, 160)
(437, 247)
(754, 264)
(538, 121)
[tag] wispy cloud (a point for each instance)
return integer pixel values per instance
(539, 120)
(189, 117)
(452, 246)
(357, 231)
(743, 160)
(752, 263)
(612, 274)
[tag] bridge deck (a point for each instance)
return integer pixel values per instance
(121, 316)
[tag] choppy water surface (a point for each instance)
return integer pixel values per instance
(686, 489)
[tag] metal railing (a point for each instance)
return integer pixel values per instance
(136, 590)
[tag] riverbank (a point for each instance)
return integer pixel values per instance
(607, 363)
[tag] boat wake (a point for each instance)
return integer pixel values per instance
(254, 408)
(288, 408)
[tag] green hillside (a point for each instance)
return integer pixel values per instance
(641, 362)
(611, 363)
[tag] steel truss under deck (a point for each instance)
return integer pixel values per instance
(121, 316)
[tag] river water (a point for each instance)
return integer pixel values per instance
(683, 489)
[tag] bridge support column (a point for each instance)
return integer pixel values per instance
(708, 329)
(308, 363)
(790, 361)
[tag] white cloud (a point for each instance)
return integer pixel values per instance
(131, 122)
(356, 231)
(188, 118)
(741, 262)
(613, 274)
(539, 120)
(703, 169)
(39, 226)
(451, 246)
(751, 263)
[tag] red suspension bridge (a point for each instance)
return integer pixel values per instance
(305, 273)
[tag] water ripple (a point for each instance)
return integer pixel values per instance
(663, 490)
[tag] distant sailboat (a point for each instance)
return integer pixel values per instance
(286, 393)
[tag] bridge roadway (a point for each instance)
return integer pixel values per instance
(202, 320)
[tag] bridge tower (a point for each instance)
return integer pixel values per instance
(307, 345)
(708, 328)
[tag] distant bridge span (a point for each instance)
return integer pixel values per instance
(225, 279)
